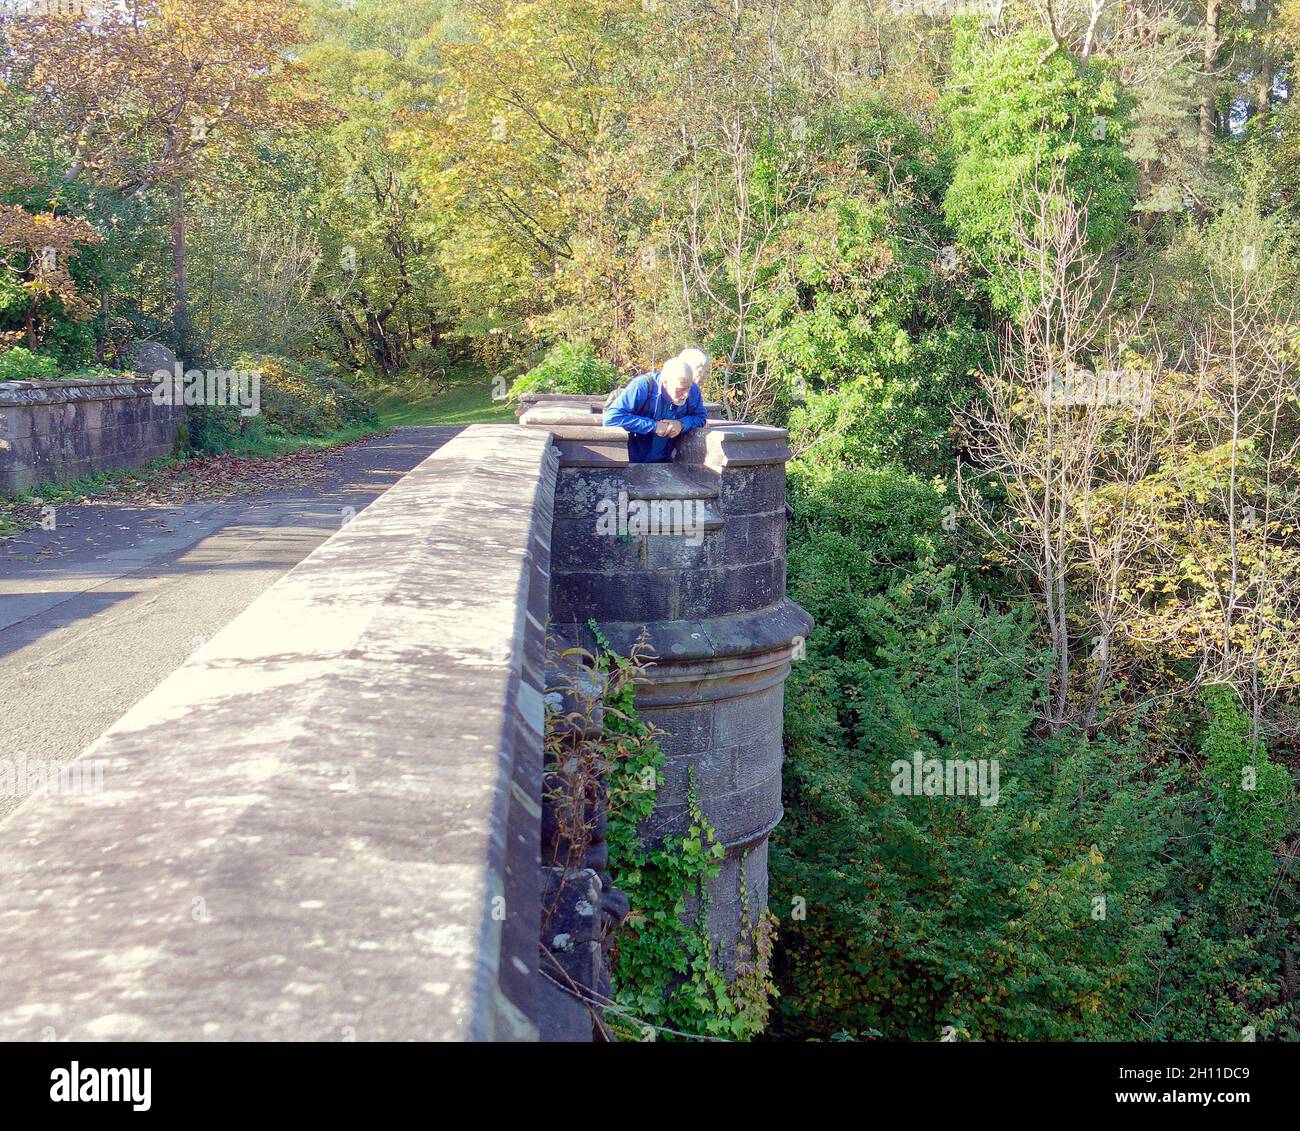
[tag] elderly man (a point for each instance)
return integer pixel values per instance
(654, 409)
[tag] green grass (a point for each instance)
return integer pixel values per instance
(467, 401)
(270, 446)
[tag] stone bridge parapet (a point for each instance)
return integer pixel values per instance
(62, 430)
(328, 823)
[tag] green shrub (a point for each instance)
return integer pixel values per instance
(1032, 918)
(212, 429)
(296, 399)
(569, 367)
(342, 404)
(20, 364)
(305, 399)
(1221, 975)
(71, 343)
(289, 415)
(1249, 800)
(1115, 891)
(93, 371)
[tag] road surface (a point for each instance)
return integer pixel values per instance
(94, 614)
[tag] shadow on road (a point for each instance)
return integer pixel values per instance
(94, 613)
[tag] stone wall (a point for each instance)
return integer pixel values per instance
(62, 430)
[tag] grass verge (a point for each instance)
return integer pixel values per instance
(268, 447)
(467, 400)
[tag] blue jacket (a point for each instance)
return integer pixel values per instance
(639, 405)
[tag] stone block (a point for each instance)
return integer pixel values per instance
(16, 423)
(754, 538)
(744, 718)
(731, 917)
(727, 590)
(114, 414)
(753, 490)
(628, 596)
(687, 728)
(671, 481)
(700, 549)
(715, 776)
(579, 491)
(740, 817)
(91, 416)
(577, 546)
(703, 593)
(752, 587)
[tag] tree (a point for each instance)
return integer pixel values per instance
(863, 322)
(135, 97)
(36, 252)
(1062, 418)
(380, 64)
(1021, 110)
(1219, 582)
(525, 158)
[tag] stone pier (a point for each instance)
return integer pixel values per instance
(710, 597)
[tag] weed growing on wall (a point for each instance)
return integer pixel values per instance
(666, 971)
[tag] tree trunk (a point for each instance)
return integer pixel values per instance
(101, 333)
(1210, 55)
(1264, 90)
(182, 330)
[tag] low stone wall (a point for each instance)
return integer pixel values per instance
(55, 431)
(325, 825)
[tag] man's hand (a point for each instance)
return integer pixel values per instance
(664, 428)
(674, 428)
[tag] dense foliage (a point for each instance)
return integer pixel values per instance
(1017, 110)
(1090, 903)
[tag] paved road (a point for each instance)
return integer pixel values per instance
(94, 614)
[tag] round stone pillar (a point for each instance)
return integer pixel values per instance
(709, 591)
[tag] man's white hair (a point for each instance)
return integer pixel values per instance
(698, 360)
(675, 369)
